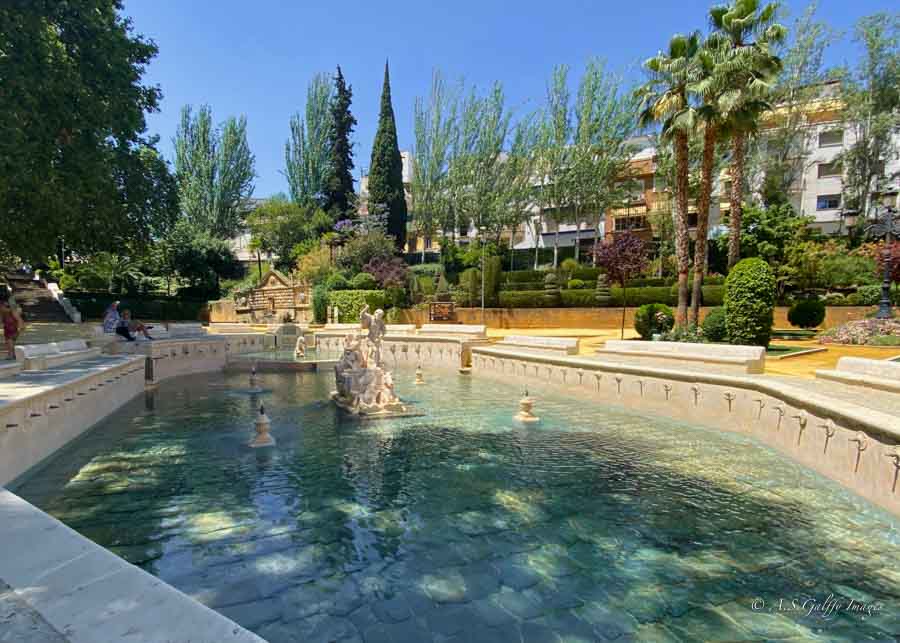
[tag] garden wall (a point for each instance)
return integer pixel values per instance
(600, 318)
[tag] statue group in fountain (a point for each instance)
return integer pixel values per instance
(364, 385)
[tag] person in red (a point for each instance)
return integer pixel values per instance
(13, 325)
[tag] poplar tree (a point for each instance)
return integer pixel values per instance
(307, 155)
(340, 197)
(386, 193)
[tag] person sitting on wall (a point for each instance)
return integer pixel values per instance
(126, 326)
(111, 318)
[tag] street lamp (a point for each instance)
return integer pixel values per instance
(888, 227)
(481, 231)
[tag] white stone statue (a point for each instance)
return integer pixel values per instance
(363, 386)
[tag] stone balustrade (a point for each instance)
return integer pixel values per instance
(721, 357)
(243, 343)
(870, 373)
(852, 444)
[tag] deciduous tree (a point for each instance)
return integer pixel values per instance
(307, 155)
(75, 161)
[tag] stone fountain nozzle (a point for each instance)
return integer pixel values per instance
(263, 424)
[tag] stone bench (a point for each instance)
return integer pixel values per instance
(40, 357)
(470, 331)
(157, 331)
(870, 373)
(556, 345)
(722, 357)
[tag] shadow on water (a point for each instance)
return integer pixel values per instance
(597, 525)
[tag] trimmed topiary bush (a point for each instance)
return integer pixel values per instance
(869, 295)
(351, 302)
(651, 319)
(602, 293)
(363, 281)
(835, 299)
(576, 284)
(578, 298)
(713, 325)
(807, 313)
(337, 281)
(750, 302)
(320, 304)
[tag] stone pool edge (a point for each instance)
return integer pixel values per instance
(853, 445)
(87, 593)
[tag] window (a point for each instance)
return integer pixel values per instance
(828, 202)
(621, 224)
(659, 183)
(692, 219)
(831, 138)
(827, 170)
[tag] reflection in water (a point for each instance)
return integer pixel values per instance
(596, 524)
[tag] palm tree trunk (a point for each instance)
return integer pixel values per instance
(706, 171)
(735, 214)
(682, 241)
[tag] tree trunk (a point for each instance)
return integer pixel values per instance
(556, 247)
(596, 241)
(706, 178)
(735, 213)
(682, 241)
(624, 304)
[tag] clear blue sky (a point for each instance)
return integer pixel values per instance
(256, 57)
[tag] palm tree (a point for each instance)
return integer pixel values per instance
(708, 88)
(746, 31)
(664, 99)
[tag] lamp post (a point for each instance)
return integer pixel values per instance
(888, 227)
(481, 231)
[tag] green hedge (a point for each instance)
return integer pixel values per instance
(641, 296)
(579, 298)
(527, 299)
(158, 307)
(523, 276)
(713, 295)
(586, 273)
(351, 302)
(522, 285)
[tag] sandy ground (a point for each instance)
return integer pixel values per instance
(591, 339)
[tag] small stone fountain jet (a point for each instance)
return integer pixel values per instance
(263, 437)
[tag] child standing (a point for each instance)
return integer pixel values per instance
(13, 325)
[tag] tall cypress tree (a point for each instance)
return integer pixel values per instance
(339, 194)
(386, 194)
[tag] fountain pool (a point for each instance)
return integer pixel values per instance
(597, 523)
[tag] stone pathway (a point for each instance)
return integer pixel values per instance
(21, 624)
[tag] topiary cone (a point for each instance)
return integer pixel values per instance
(603, 293)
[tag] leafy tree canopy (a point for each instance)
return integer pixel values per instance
(74, 160)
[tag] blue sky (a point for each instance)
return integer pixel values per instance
(256, 58)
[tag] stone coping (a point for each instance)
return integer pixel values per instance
(30, 384)
(89, 595)
(751, 359)
(876, 423)
(9, 367)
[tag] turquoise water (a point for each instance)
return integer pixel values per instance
(597, 524)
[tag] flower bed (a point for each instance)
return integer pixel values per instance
(873, 332)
